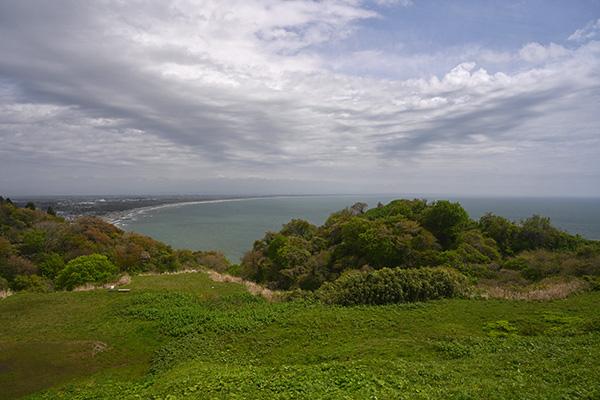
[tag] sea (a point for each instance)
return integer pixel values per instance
(232, 225)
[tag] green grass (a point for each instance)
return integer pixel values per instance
(165, 344)
(53, 338)
(198, 284)
(50, 339)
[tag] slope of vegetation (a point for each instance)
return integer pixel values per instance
(157, 343)
(40, 252)
(411, 234)
(377, 307)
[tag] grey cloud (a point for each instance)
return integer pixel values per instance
(130, 109)
(494, 119)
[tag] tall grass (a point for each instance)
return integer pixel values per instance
(547, 290)
(254, 288)
(122, 281)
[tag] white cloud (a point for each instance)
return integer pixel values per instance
(389, 3)
(591, 31)
(240, 33)
(536, 53)
(193, 90)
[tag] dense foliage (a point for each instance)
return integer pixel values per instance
(390, 286)
(94, 268)
(40, 251)
(416, 234)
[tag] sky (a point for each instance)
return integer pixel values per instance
(466, 97)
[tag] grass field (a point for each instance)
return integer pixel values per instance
(184, 336)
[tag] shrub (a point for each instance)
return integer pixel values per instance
(52, 265)
(388, 286)
(214, 260)
(32, 283)
(93, 268)
(594, 281)
(446, 221)
(3, 285)
(500, 328)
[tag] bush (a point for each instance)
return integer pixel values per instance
(214, 260)
(32, 283)
(93, 268)
(3, 285)
(52, 265)
(594, 281)
(388, 286)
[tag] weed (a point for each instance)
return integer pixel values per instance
(500, 328)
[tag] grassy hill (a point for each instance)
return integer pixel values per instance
(185, 336)
(351, 333)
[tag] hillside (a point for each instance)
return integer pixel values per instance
(393, 302)
(213, 341)
(41, 252)
(413, 234)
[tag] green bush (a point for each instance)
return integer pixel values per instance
(52, 265)
(32, 283)
(93, 268)
(388, 286)
(594, 281)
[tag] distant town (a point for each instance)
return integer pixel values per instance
(73, 207)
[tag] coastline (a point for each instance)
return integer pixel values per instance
(235, 232)
(115, 217)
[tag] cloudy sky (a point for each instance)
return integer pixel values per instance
(300, 96)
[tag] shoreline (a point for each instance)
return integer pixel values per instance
(116, 216)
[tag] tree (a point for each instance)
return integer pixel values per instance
(52, 265)
(446, 221)
(51, 211)
(536, 233)
(30, 205)
(298, 227)
(33, 242)
(93, 268)
(500, 229)
(32, 283)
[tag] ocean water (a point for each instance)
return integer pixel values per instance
(232, 226)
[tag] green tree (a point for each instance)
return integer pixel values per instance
(51, 266)
(30, 205)
(378, 246)
(32, 283)
(51, 211)
(501, 230)
(93, 268)
(33, 242)
(298, 227)
(446, 221)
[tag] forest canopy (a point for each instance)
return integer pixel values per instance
(413, 234)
